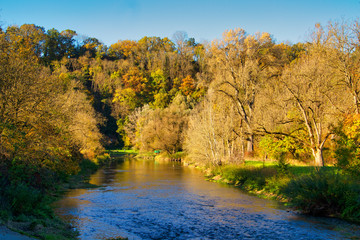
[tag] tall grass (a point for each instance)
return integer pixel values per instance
(325, 192)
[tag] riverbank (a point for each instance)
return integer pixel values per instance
(325, 191)
(7, 234)
(38, 219)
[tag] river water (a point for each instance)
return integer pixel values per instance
(145, 199)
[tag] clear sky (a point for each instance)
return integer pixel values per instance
(113, 20)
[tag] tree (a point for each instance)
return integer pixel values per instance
(343, 41)
(347, 150)
(162, 129)
(312, 89)
(26, 40)
(58, 45)
(212, 133)
(241, 64)
(123, 49)
(39, 118)
(90, 45)
(187, 85)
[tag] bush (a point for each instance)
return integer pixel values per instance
(103, 159)
(249, 178)
(282, 166)
(325, 192)
(88, 166)
(24, 199)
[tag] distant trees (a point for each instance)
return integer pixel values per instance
(162, 129)
(242, 94)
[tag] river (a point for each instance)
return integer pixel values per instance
(145, 199)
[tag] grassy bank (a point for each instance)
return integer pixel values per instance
(326, 191)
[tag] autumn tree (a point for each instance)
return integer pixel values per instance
(187, 85)
(343, 45)
(26, 40)
(161, 129)
(240, 65)
(312, 89)
(35, 129)
(212, 136)
(123, 49)
(90, 46)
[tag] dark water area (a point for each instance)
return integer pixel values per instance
(145, 199)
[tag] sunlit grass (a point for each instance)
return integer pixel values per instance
(258, 163)
(117, 152)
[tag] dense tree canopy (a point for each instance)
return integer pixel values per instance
(63, 98)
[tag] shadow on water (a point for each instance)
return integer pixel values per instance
(145, 199)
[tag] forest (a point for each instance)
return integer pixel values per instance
(65, 99)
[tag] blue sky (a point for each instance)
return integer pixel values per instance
(113, 20)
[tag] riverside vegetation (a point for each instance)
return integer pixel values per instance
(64, 99)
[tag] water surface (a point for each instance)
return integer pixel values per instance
(144, 199)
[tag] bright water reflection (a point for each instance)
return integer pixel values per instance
(142, 199)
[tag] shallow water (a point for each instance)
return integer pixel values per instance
(144, 199)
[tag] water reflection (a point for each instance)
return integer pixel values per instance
(143, 199)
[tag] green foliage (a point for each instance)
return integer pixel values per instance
(325, 192)
(27, 200)
(161, 100)
(249, 178)
(274, 185)
(282, 166)
(103, 158)
(88, 166)
(278, 148)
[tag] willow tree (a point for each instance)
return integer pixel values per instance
(240, 64)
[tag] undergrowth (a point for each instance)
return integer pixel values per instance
(322, 192)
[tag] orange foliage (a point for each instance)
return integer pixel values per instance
(187, 85)
(135, 80)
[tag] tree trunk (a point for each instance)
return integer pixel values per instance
(319, 160)
(250, 146)
(356, 104)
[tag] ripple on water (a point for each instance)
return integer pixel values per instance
(166, 201)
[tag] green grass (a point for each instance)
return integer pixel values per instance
(118, 152)
(255, 163)
(325, 191)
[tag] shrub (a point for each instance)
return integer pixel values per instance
(282, 166)
(325, 192)
(103, 159)
(24, 199)
(249, 178)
